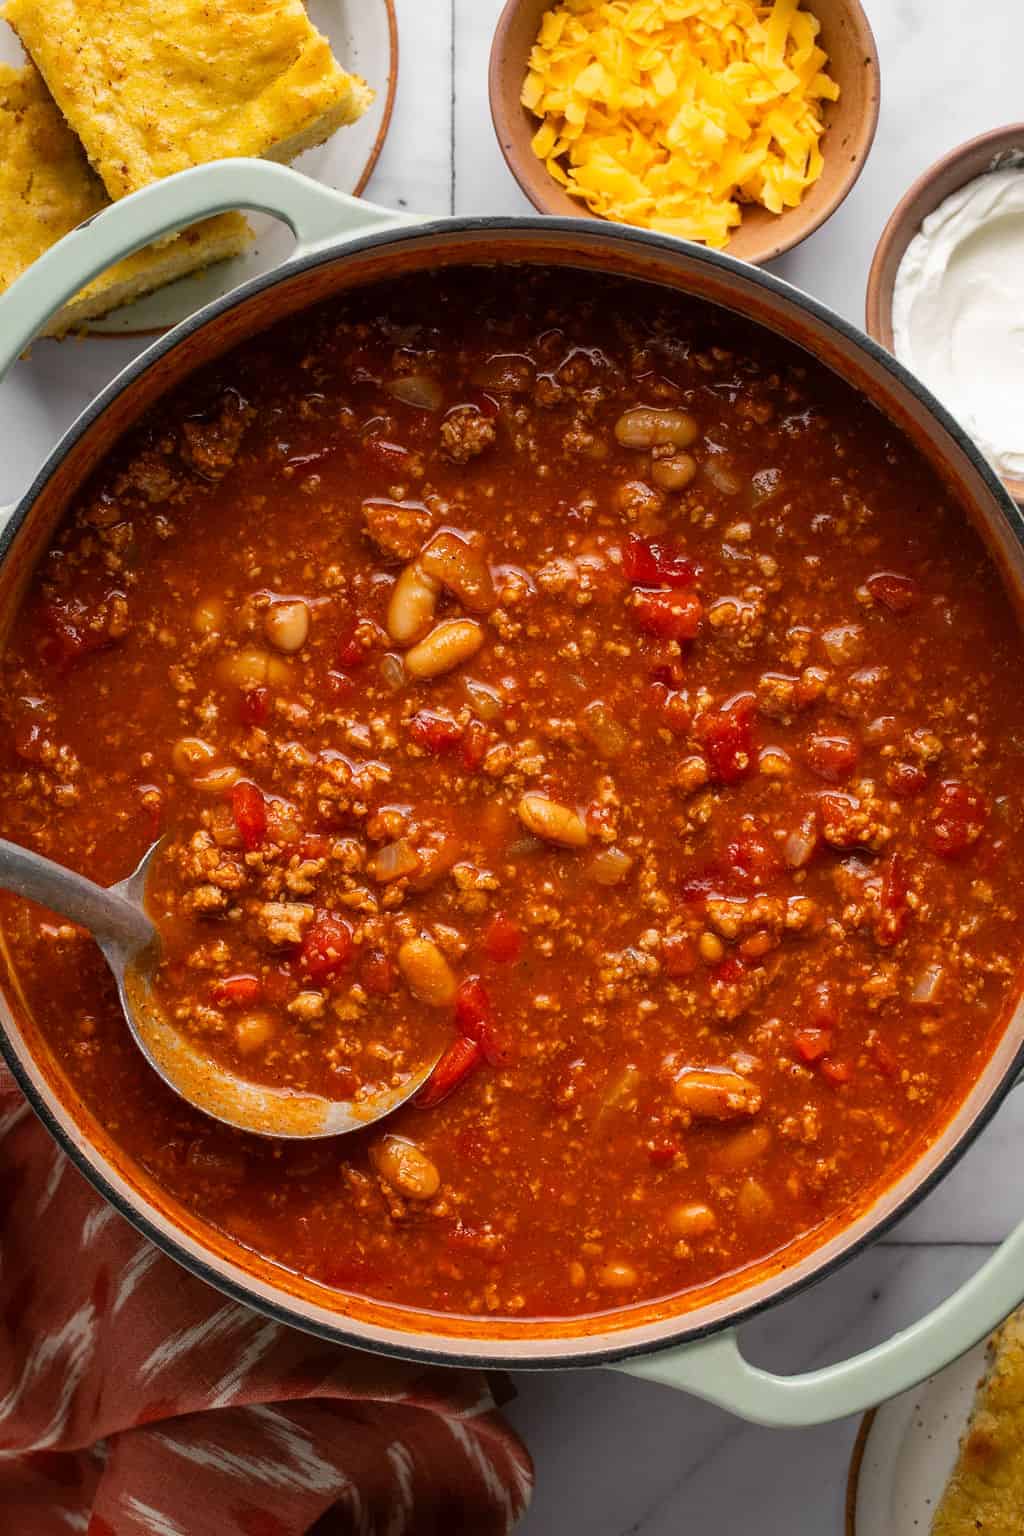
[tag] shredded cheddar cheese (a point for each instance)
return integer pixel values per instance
(669, 114)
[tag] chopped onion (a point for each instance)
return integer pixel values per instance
(506, 373)
(603, 731)
(798, 848)
(417, 389)
(392, 671)
(925, 990)
(393, 861)
(844, 644)
(610, 865)
(722, 477)
(483, 700)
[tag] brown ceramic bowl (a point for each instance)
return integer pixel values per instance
(850, 125)
(985, 153)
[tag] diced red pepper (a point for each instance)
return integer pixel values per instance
(458, 1061)
(73, 632)
(678, 955)
(326, 946)
(957, 819)
(727, 736)
(752, 857)
(236, 991)
(812, 1044)
(474, 1016)
(895, 592)
(436, 734)
(255, 706)
(249, 809)
(668, 615)
(832, 757)
(654, 563)
(893, 908)
(503, 940)
(836, 1071)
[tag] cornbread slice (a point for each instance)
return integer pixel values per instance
(154, 86)
(46, 188)
(985, 1494)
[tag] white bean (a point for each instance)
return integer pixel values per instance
(553, 822)
(427, 973)
(445, 648)
(286, 625)
(191, 755)
(413, 603)
(647, 426)
(407, 1168)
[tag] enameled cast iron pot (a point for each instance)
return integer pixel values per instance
(344, 244)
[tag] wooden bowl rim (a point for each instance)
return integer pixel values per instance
(786, 230)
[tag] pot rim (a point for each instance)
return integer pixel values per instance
(594, 1348)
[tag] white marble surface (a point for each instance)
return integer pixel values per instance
(617, 1457)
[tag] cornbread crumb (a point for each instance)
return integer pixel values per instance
(46, 188)
(154, 86)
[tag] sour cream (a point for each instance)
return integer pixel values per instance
(958, 312)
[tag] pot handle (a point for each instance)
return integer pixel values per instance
(715, 1370)
(316, 215)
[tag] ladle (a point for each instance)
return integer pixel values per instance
(117, 919)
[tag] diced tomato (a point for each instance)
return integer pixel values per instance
(752, 857)
(326, 946)
(376, 972)
(350, 652)
(836, 1071)
(436, 734)
(458, 1061)
(893, 907)
(672, 707)
(823, 1007)
(503, 940)
(474, 745)
(236, 991)
(474, 1015)
(884, 1056)
(957, 818)
(669, 615)
(255, 706)
(812, 1044)
(702, 883)
(653, 563)
(388, 455)
(662, 1151)
(727, 735)
(730, 971)
(249, 809)
(895, 592)
(339, 685)
(313, 845)
(832, 756)
(678, 955)
(905, 779)
(75, 631)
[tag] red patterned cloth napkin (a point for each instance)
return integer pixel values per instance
(136, 1401)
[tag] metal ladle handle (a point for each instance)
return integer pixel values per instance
(109, 917)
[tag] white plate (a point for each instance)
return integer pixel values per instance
(906, 1450)
(364, 37)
